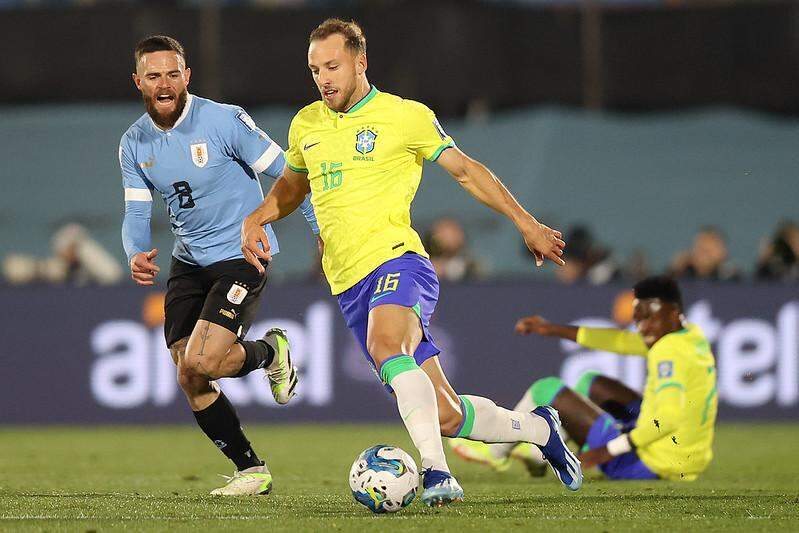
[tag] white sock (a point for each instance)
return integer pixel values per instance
(416, 400)
(525, 405)
(491, 423)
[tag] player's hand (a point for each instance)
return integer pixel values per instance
(255, 244)
(595, 457)
(143, 269)
(533, 324)
(544, 242)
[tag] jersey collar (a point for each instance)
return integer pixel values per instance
(363, 101)
(358, 105)
(182, 116)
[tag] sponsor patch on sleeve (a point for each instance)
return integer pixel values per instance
(247, 120)
(236, 294)
(665, 369)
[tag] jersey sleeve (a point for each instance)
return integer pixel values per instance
(138, 203)
(669, 396)
(612, 340)
(423, 134)
(294, 159)
(249, 143)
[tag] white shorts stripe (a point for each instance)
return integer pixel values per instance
(138, 195)
(267, 158)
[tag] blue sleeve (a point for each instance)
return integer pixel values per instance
(138, 204)
(310, 216)
(249, 143)
(275, 170)
(135, 229)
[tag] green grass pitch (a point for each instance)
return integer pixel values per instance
(157, 479)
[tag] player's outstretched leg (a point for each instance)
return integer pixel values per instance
(498, 456)
(481, 419)
(394, 332)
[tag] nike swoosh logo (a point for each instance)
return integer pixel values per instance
(376, 298)
(309, 146)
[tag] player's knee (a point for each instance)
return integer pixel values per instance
(189, 379)
(545, 390)
(178, 349)
(383, 344)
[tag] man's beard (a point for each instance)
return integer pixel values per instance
(168, 120)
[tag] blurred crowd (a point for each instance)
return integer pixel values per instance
(78, 259)
(331, 3)
(589, 261)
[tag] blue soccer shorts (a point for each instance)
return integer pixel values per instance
(408, 280)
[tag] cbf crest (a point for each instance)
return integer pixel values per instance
(199, 154)
(365, 141)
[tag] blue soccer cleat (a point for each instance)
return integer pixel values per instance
(440, 488)
(563, 462)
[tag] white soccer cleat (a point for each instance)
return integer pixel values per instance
(281, 373)
(250, 482)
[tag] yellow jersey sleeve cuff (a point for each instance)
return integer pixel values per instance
(437, 153)
(296, 169)
(581, 334)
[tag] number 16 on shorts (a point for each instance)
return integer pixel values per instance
(387, 283)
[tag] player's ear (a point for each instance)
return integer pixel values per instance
(136, 80)
(360, 64)
(187, 75)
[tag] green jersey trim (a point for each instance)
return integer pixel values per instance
(363, 101)
(296, 169)
(669, 384)
(441, 148)
(708, 400)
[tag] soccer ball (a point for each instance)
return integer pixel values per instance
(384, 479)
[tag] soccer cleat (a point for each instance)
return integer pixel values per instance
(250, 482)
(478, 452)
(440, 488)
(563, 462)
(532, 459)
(281, 373)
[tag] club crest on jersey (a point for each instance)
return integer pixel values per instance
(236, 294)
(199, 154)
(365, 141)
(665, 369)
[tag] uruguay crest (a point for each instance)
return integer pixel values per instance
(365, 141)
(199, 154)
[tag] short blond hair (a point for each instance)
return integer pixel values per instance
(353, 35)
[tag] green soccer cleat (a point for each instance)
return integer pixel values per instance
(281, 373)
(478, 452)
(250, 482)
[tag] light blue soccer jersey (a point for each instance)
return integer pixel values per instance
(206, 169)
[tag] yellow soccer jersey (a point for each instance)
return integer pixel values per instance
(674, 432)
(364, 167)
